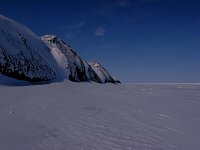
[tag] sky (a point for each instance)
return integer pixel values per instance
(136, 40)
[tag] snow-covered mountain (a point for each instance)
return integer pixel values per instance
(23, 55)
(102, 73)
(73, 66)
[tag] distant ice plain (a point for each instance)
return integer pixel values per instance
(91, 116)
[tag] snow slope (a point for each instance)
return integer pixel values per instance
(91, 116)
(23, 55)
(73, 66)
(103, 73)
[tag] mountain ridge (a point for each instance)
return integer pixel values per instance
(25, 56)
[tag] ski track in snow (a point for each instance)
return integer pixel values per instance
(90, 116)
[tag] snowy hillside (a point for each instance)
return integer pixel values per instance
(91, 116)
(102, 73)
(23, 55)
(74, 67)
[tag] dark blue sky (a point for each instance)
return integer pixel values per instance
(136, 40)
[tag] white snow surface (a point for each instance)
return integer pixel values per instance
(90, 116)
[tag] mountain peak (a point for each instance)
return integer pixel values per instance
(48, 37)
(53, 39)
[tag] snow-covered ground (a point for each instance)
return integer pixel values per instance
(91, 116)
